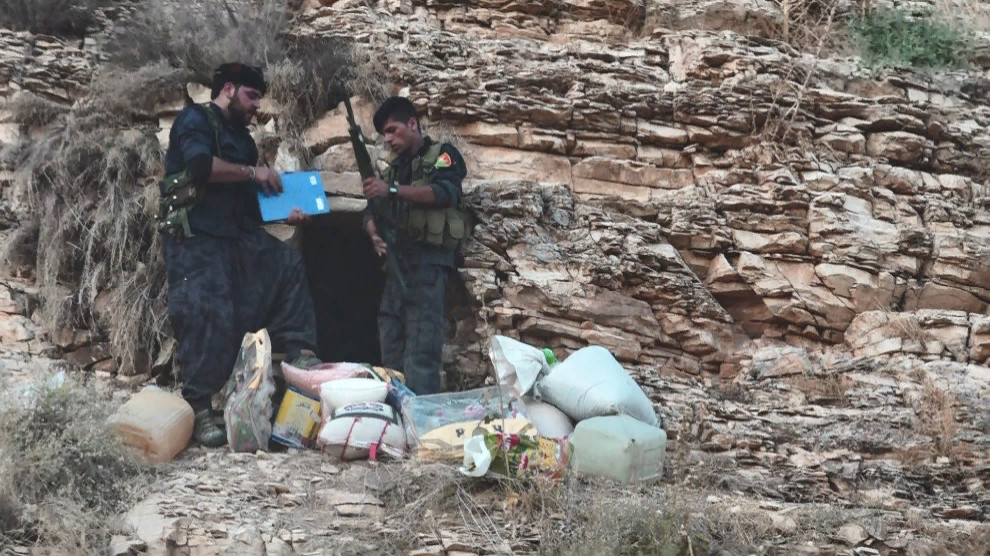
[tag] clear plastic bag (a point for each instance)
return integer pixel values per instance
(248, 410)
(423, 414)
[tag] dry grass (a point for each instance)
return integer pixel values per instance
(807, 22)
(91, 176)
(952, 544)
(88, 176)
(199, 35)
(29, 109)
(937, 417)
(63, 18)
(306, 74)
(63, 477)
(435, 505)
(820, 388)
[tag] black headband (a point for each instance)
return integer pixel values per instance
(238, 74)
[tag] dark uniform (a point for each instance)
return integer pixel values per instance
(411, 326)
(232, 277)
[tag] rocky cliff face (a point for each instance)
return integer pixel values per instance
(655, 181)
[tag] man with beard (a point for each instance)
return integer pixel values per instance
(419, 197)
(226, 275)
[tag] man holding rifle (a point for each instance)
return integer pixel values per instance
(414, 218)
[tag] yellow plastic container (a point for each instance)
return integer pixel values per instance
(156, 424)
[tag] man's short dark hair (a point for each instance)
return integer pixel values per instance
(399, 109)
(238, 74)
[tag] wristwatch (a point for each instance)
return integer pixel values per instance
(393, 190)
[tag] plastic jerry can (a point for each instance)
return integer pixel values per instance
(156, 424)
(618, 446)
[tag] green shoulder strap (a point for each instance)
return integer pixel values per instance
(428, 161)
(215, 123)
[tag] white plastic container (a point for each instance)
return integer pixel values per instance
(618, 446)
(156, 424)
(339, 393)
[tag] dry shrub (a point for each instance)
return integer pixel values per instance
(29, 109)
(787, 120)
(310, 79)
(199, 35)
(306, 74)
(807, 22)
(63, 474)
(821, 388)
(88, 177)
(573, 516)
(61, 18)
(937, 417)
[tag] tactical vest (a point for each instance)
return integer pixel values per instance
(178, 193)
(440, 227)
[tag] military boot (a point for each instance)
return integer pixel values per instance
(207, 432)
(305, 359)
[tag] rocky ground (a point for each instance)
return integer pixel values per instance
(788, 252)
(809, 454)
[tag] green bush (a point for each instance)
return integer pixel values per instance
(890, 38)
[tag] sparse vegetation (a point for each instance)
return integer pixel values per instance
(306, 74)
(89, 175)
(91, 178)
(893, 38)
(823, 387)
(62, 474)
(32, 110)
(199, 35)
(806, 24)
(574, 516)
(937, 417)
(63, 18)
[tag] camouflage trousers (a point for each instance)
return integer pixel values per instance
(221, 288)
(411, 326)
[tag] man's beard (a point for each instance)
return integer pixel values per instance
(238, 114)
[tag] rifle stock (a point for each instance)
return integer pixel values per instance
(378, 206)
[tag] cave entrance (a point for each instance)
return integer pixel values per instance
(346, 280)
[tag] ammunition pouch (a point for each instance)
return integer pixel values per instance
(177, 196)
(439, 227)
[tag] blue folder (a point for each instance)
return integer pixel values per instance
(299, 189)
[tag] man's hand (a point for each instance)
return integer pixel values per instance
(376, 240)
(269, 180)
(375, 187)
(297, 217)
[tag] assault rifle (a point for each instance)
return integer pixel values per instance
(378, 206)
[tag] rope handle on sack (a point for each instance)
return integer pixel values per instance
(373, 453)
(347, 439)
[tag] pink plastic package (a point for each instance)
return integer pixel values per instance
(309, 380)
